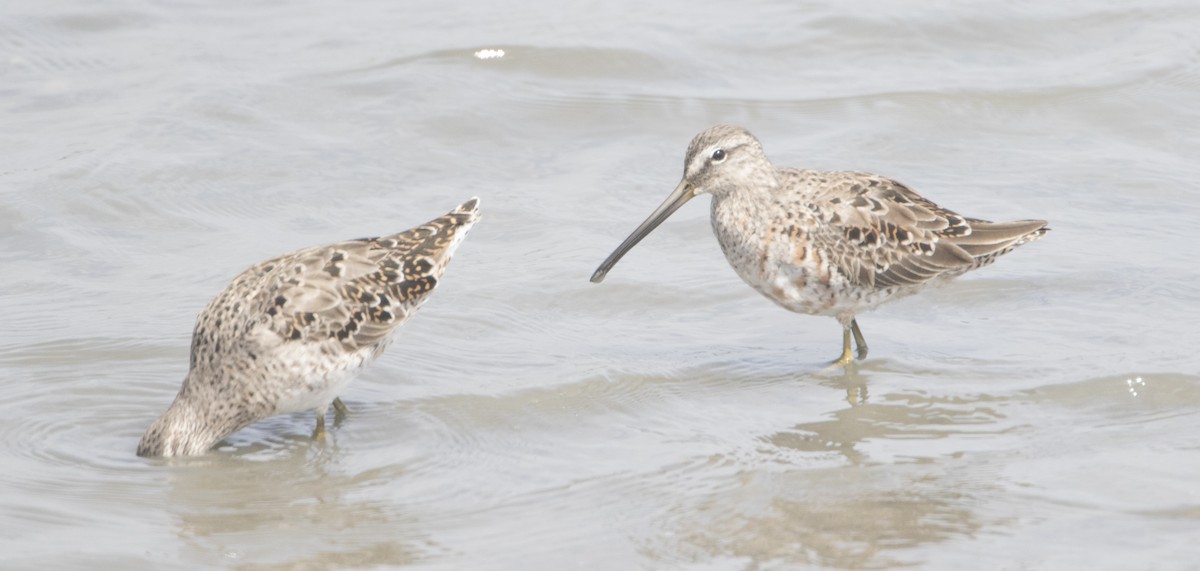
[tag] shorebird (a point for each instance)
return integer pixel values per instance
(826, 243)
(288, 334)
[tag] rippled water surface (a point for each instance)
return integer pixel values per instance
(1042, 413)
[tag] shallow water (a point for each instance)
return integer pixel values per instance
(1041, 413)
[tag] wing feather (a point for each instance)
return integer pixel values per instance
(882, 234)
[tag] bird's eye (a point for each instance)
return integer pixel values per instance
(718, 155)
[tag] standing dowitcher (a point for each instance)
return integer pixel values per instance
(826, 243)
(291, 332)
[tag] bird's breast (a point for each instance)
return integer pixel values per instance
(774, 253)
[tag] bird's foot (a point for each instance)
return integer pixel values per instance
(847, 355)
(846, 358)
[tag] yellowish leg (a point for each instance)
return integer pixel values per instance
(319, 433)
(847, 355)
(339, 412)
(858, 340)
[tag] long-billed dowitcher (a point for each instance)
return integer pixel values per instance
(288, 334)
(826, 243)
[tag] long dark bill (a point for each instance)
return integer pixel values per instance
(682, 193)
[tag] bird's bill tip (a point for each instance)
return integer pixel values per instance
(682, 193)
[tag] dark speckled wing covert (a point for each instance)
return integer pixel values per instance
(883, 234)
(356, 292)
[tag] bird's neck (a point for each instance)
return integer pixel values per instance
(741, 221)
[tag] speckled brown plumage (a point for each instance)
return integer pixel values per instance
(826, 243)
(289, 333)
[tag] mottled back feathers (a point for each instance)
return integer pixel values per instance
(882, 234)
(354, 292)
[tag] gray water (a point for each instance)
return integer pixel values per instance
(1041, 413)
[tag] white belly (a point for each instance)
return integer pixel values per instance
(804, 290)
(318, 379)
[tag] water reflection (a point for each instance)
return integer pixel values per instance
(871, 509)
(849, 379)
(801, 524)
(897, 416)
(265, 504)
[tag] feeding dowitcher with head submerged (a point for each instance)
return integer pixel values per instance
(826, 243)
(291, 332)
